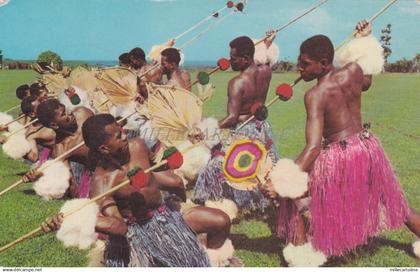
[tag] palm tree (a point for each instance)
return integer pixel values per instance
(1, 59)
(416, 63)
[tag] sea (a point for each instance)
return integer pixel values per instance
(111, 63)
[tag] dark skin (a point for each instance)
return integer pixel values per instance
(28, 117)
(249, 87)
(37, 133)
(123, 155)
(140, 67)
(176, 77)
(333, 108)
(67, 127)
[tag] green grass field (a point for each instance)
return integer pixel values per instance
(391, 105)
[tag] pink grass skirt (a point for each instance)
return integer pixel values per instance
(44, 155)
(355, 194)
(84, 186)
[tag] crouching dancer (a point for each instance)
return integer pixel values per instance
(154, 230)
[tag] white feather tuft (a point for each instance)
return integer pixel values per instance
(5, 118)
(96, 254)
(264, 55)
(16, 126)
(78, 229)
(288, 180)
(225, 205)
(211, 130)
(194, 160)
(365, 51)
(156, 50)
(303, 256)
(17, 146)
(220, 257)
(416, 248)
(182, 58)
(135, 120)
(85, 101)
(54, 182)
(121, 111)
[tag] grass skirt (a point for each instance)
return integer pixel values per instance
(83, 178)
(164, 241)
(354, 195)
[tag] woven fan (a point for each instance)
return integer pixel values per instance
(55, 83)
(87, 81)
(84, 79)
(173, 109)
(119, 84)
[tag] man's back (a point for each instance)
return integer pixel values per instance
(339, 96)
(253, 84)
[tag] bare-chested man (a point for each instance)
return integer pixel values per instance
(124, 60)
(144, 70)
(250, 86)
(170, 58)
(23, 91)
(36, 133)
(67, 126)
(158, 234)
(68, 129)
(245, 89)
(33, 96)
(353, 189)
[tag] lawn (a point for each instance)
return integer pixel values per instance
(391, 106)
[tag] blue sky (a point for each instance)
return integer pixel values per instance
(102, 29)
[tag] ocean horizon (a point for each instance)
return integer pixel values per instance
(110, 63)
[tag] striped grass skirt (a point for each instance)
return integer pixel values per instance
(163, 241)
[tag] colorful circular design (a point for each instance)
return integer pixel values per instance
(242, 160)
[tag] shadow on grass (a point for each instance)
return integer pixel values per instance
(265, 245)
(29, 192)
(272, 245)
(374, 245)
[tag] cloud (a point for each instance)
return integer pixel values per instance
(321, 21)
(4, 2)
(410, 10)
(412, 7)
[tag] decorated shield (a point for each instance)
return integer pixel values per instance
(242, 163)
